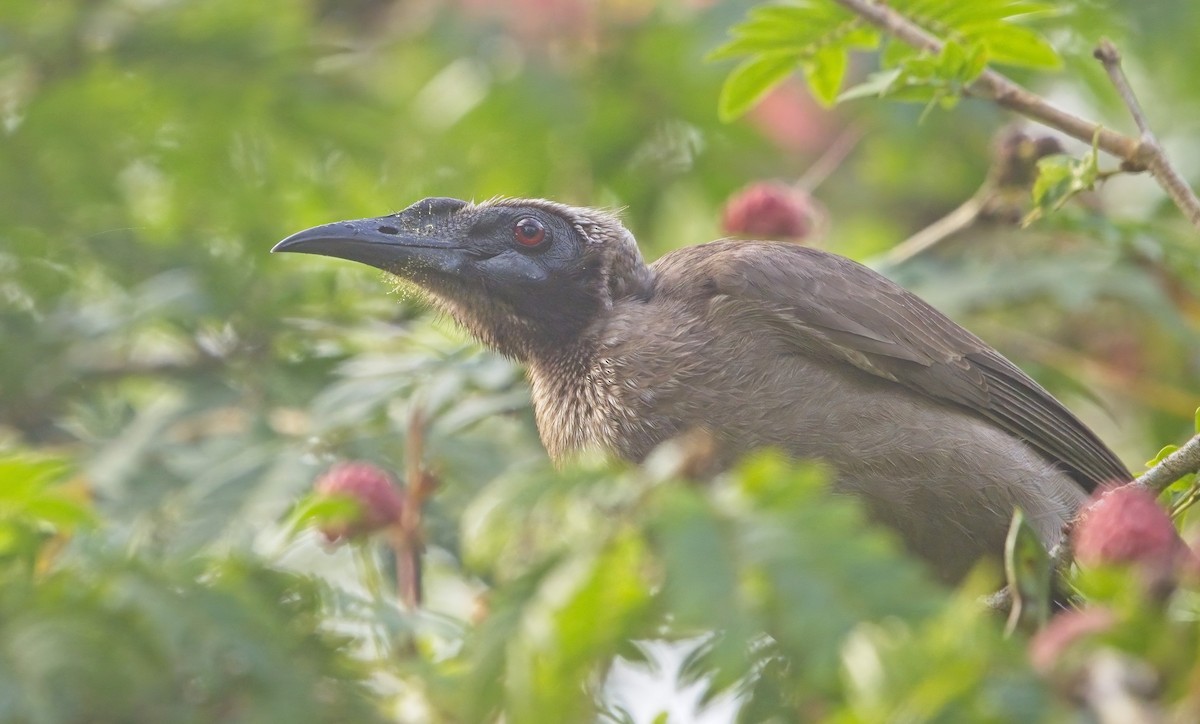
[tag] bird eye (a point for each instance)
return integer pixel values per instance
(529, 232)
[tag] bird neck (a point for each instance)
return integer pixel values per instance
(567, 397)
(543, 331)
(576, 399)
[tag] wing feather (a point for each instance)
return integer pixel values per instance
(833, 307)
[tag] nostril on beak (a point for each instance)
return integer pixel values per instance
(389, 230)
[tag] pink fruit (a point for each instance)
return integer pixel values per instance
(770, 211)
(1064, 631)
(372, 488)
(1126, 525)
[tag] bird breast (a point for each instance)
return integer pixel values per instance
(944, 479)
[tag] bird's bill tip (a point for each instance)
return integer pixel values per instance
(379, 242)
(358, 241)
(312, 241)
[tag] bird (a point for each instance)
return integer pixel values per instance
(757, 344)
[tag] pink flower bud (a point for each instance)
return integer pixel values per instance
(1064, 631)
(1126, 525)
(771, 211)
(372, 488)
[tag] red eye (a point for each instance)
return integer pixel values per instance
(529, 232)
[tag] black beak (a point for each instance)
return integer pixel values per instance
(385, 243)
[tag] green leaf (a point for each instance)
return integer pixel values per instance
(318, 510)
(952, 56)
(1027, 569)
(895, 52)
(960, 14)
(33, 496)
(1053, 180)
(956, 667)
(136, 640)
(877, 84)
(956, 66)
(1060, 178)
(812, 593)
(689, 532)
(61, 512)
(704, 597)
(587, 608)
(773, 28)
(1014, 45)
(824, 73)
(975, 63)
(1162, 454)
(25, 476)
(936, 80)
(751, 80)
(778, 38)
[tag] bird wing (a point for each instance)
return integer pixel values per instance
(832, 307)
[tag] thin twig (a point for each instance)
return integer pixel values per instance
(1182, 462)
(1184, 502)
(1011, 175)
(999, 89)
(1110, 57)
(1156, 159)
(950, 224)
(408, 539)
(831, 160)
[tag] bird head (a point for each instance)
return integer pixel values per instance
(523, 275)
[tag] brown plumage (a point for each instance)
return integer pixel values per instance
(757, 343)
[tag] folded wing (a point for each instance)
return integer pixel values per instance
(831, 307)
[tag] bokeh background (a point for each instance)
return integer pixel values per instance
(152, 151)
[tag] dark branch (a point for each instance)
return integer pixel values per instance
(1182, 462)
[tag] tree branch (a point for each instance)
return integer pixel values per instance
(1137, 154)
(1011, 175)
(1155, 159)
(996, 87)
(408, 538)
(1110, 57)
(962, 217)
(1182, 462)
(831, 160)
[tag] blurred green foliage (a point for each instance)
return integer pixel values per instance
(151, 151)
(819, 37)
(90, 634)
